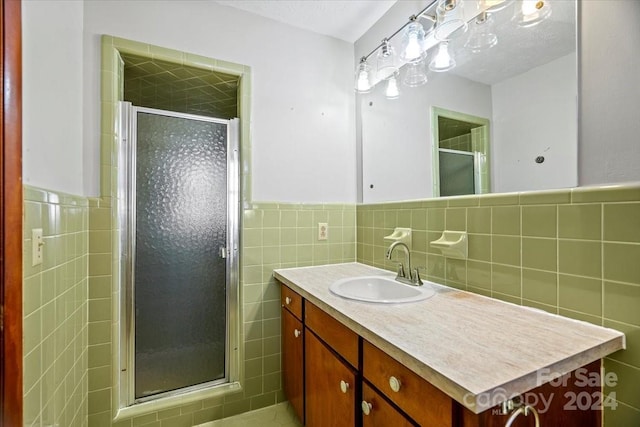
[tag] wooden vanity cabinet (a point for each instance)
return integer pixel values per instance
(293, 350)
(333, 377)
(379, 412)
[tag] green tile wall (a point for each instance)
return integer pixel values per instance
(55, 310)
(280, 236)
(572, 252)
(461, 143)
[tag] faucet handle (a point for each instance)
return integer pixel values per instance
(401, 272)
(415, 276)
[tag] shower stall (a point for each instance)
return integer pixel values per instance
(178, 216)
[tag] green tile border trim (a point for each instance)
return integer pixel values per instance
(623, 192)
(36, 194)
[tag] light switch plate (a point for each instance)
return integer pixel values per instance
(37, 245)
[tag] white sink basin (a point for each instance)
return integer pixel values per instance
(379, 289)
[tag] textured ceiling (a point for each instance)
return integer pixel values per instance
(519, 49)
(344, 19)
(165, 85)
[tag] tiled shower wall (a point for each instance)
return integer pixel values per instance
(461, 143)
(55, 310)
(574, 253)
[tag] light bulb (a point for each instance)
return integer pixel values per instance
(413, 49)
(531, 12)
(443, 61)
(392, 91)
(493, 5)
(413, 42)
(363, 81)
(529, 7)
(364, 85)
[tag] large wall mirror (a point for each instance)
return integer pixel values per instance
(503, 119)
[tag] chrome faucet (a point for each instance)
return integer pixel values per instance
(414, 276)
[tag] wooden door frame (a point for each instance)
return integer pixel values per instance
(11, 393)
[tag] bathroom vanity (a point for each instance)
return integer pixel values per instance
(457, 359)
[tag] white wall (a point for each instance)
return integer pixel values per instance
(397, 135)
(302, 95)
(52, 95)
(60, 139)
(387, 24)
(522, 131)
(609, 149)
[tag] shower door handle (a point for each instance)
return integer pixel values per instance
(223, 252)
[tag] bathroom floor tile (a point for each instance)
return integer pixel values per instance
(280, 415)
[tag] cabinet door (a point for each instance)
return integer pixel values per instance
(292, 362)
(329, 385)
(377, 412)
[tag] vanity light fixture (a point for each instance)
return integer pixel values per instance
(392, 91)
(415, 74)
(480, 37)
(443, 61)
(450, 21)
(412, 45)
(531, 12)
(494, 5)
(363, 76)
(387, 65)
(412, 50)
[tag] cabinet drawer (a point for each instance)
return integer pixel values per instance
(342, 339)
(377, 412)
(420, 400)
(292, 301)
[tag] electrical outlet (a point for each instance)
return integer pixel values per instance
(36, 246)
(323, 231)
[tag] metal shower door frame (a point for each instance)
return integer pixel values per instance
(127, 224)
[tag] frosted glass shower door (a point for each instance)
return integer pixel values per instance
(456, 173)
(180, 267)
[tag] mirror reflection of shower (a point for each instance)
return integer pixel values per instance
(461, 158)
